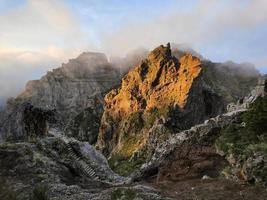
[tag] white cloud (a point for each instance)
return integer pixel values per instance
(17, 67)
(41, 23)
(36, 37)
(42, 34)
(206, 23)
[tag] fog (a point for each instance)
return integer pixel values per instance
(41, 35)
(242, 69)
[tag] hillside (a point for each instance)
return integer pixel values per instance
(162, 89)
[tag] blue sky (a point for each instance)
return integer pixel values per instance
(38, 35)
(239, 44)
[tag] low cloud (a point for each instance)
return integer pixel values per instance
(208, 22)
(17, 67)
(34, 38)
(39, 24)
(41, 34)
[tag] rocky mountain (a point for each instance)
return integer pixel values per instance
(162, 89)
(74, 93)
(58, 167)
(166, 131)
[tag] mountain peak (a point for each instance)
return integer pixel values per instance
(160, 52)
(160, 82)
(92, 56)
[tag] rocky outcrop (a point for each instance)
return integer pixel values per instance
(29, 121)
(230, 80)
(148, 130)
(232, 144)
(160, 88)
(58, 167)
(259, 91)
(243, 143)
(187, 154)
(70, 91)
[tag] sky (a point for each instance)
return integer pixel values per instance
(38, 35)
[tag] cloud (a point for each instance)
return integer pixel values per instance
(17, 67)
(41, 34)
(35, 37)
(209, 21)
(39, 24)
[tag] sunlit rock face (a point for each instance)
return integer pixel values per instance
(158, 81)
(71, 91)
(161, 88)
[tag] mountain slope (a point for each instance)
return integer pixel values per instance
(177, 93)
(67, 91)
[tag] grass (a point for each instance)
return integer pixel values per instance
(120, 162)
(40, 193)
(136, 122)
(123, 194)
(155, 113)
(6, 193)
(240, 140)
(244, 142)
(123, 166)
(133, 132)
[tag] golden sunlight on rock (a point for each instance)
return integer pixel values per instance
(159, 82)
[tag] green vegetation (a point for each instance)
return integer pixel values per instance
(155, 113)
(123, 194)
(135, 121)
(121, 162)
(256, 118)
(253, 137)
(85, 125)
(6, 192)
(248, 142)
(123, 165)
(132, 137)
(40, 193)
(134, 129)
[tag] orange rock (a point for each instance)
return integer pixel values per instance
(157, 82)
(160, 81)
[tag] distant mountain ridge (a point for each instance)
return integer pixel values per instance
(68, 90)
(76, 90)
(164, 126)
(172, 88)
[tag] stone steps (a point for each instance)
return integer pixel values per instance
(87, 170)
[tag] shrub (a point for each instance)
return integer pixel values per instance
(123, 165)
(125, 194)
(244, 143)
(256, 118)
(236, 139)
(40, 193)
(135, 121)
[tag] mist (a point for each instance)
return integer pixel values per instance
(40, 35)
(242, 69)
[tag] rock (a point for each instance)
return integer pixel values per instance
(206, 177)
(177, 93)
(160, 124)
(187, 154)
(74, 91)
(62, 168)
(259, 91)
(160, 84)
(29, 122)
(243, 143)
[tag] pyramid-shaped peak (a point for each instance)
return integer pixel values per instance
(160, 52)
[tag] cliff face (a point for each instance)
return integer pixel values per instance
(69, 90)
(173, 90)
(160, 123)
(161, 88)
(156, 82)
